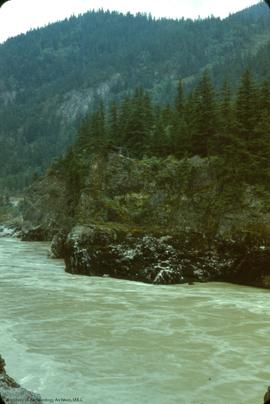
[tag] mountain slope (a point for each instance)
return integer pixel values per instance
(52, 76)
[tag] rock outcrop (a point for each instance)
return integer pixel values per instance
(33, 233)
(153, 220)
(163, 258)
(45, 208)
(11, 392)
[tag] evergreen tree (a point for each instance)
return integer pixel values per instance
(264, 98)
(180, 134)
(113, 122)
(168, 125)
(226, 123)
(123, 120)
(179, 100)
(98, 122)
(246, 107)
(158, 140)
(190, 123)
(92, 134)
(206, 117)
(139, 123)
(224, 139)
(195, 124)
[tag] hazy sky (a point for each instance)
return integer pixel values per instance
(18, 16)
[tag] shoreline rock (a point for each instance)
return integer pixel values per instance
(33, 233)
(162, 258)
(12, 392)
(267, 396)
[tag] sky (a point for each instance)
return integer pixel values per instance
(19, 16)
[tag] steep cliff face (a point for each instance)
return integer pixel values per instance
(183, 195)
(77, 102)
(153, 220)
(45, 209)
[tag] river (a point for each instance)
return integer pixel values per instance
(107, 341)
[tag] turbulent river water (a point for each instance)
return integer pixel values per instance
(110, 341)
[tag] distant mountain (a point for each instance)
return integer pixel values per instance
(51, 77)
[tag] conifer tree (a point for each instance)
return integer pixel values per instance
(224, 139)
(159, 140)
(180, 134)
(179, 100)
(226, 109)
(206, 117)
(264, 97)
(113, 122)
(123, 120)
(139, 123)
(246, 103)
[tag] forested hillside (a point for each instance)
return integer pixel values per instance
(232, 131)
(163, 194)
(51, 77)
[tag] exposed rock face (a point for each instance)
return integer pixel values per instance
(44, 209)
(78, 102)
(179, 195)
(11, 392)
(164, 259)
(36, 233)
(102, 251)
(58, 244)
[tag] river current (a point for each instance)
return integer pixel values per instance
(108, 341)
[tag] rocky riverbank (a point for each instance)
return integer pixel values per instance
(11, 392)
(163, 258)
(154, 220)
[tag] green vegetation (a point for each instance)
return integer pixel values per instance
(52, 77)
(198, 164)
(202, 122)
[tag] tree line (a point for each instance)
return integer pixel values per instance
(203, 122)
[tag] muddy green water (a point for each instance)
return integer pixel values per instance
(116, 342)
